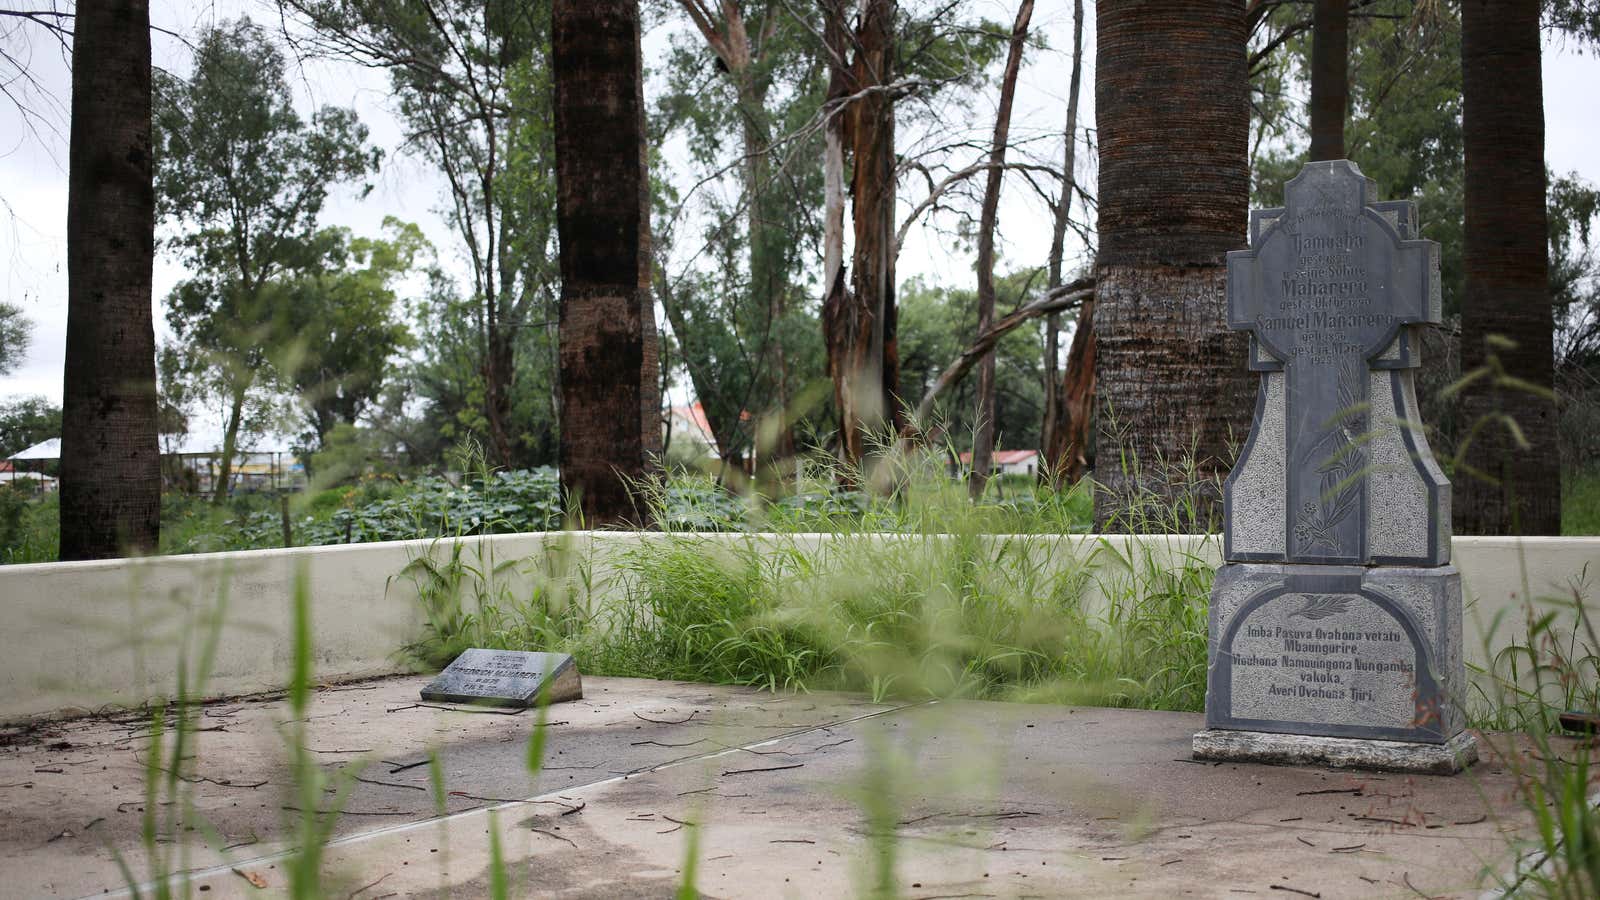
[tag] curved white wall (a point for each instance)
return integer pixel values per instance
(79, 636)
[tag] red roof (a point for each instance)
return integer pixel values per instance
(696, 415)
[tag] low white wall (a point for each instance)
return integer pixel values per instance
(79, 636)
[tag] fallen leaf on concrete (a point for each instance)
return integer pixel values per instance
(256, 879)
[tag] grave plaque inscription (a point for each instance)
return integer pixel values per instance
(511, 678)
(1335, 624)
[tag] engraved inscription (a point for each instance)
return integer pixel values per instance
(503, 677)
(490, 676)
(1324, 659)
(1324, 291)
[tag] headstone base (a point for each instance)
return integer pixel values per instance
(1340, 753)
(1372, 653)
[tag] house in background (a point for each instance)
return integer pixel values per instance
(11, 474)
(268, 463)
(1006, 462)
(690, 423)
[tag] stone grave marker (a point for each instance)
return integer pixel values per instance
(509, 678)
(1335, 624)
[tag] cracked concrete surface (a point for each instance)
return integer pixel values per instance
(781, 794)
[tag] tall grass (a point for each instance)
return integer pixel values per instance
(911, 594)
(1554, 668)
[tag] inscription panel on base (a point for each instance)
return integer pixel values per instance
(1335, 659)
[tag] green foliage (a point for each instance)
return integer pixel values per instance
(1578, 18)
(26, 421)
(344, 320)
(1575, 292)
(504, 502)
(743, 310)
(242, 178)
(15, 336)
(471, 82)
(940, 607)
(1580, 502)
(29, 524)
(1552, 666)
(936, 325)
(1404, 127)
(13, 507)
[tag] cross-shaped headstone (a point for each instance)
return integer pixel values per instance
(1330, 292)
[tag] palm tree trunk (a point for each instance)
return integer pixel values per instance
(1171, 102)
(1506, 486)
(110, 456)
(1330, 85)
(610, 423)
(983, 440)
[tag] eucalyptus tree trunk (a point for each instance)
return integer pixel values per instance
(610, 423)
(1058, 427)
(1077, 400)
(726, 29)
(1506, 486)
(1330, 77)
(983, 439)
(859, 322)
(110, 455)
(1171, 101)
(223, 484)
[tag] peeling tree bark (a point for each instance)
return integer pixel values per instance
(859, 322)
(110, 456)
(1171, 101)
(1077, 401)
(610, 423)
(983, 440)
(1056, 424)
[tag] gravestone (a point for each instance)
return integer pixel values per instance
(511, 678)
(1335, 623)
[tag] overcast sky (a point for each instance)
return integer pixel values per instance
(33, 180)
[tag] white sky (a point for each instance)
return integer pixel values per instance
(33, 181)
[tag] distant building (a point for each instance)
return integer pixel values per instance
(1007, 462)
(9, 473)
(265, 463)
(691, 422)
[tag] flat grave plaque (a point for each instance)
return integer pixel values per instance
(509, 678)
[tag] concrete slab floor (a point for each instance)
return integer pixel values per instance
(780, 795)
